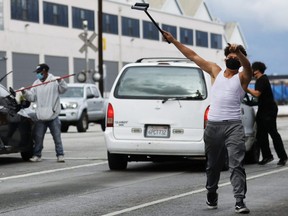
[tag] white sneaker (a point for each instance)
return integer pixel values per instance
(60, 159)
(35, 159)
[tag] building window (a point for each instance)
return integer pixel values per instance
(186, 36)
(55, 14)
(150, 31)
(216, 41)
(110, 23)
(171, 29)
(25, 10)
(201, 39)
(79, 15)
(130, 27)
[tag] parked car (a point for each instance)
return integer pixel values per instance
(81, 104)
(157, 110)
(250, 127)
(15, 126)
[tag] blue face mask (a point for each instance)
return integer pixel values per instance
(39, 76)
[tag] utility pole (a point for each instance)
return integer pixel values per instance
(100, 48)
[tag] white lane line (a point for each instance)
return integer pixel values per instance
(50, 171)
(76, 158)
(187, 194)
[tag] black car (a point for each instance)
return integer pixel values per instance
(15, 128)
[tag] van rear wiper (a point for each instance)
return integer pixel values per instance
(198, 97)
(195, 96)
(176, 98)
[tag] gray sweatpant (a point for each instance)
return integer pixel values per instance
(220, 138)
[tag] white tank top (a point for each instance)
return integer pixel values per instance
(226, 97)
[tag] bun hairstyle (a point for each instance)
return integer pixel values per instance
(241, 48)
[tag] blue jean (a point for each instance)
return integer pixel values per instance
(40, 131)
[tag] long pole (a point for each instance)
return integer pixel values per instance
(43, 83)
(100, 48)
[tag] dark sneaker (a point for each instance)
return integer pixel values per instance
(282, 162)
(266, 160)
(212, 200)
(241, 208)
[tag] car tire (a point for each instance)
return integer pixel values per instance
(103, 124)
(253, 155)
(64, 127)
(27, 155)
(82, 124)
(117, 161)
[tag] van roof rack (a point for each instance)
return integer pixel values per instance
(163, 59)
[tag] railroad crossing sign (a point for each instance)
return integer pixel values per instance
(88, 43)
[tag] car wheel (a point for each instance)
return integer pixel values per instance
(253, 155)
(82, 124)
(64, 127)
(117, 161)
(103, 124)
(27, 155)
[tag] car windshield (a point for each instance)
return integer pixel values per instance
(163, 82)
(73, 92)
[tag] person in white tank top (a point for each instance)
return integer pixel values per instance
(224, 131)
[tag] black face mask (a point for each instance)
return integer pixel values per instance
(233, 64)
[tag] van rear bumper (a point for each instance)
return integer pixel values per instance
(153, 147)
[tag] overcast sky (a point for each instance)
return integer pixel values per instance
(264, 24)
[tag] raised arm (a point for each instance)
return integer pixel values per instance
(210, 67)
(247, 73)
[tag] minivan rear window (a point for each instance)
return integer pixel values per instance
(150, 82)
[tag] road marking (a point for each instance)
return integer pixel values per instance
(77, 158)
(187, 194)
(51, 171)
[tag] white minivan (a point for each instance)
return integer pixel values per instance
(157, 109)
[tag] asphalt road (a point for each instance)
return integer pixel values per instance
(84, 185)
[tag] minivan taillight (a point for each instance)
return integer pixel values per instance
(110, 116)
(206, 116)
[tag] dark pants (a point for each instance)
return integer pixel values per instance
(222, 138)
(266, 124)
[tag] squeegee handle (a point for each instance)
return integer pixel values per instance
(157, 26)
(43, 83)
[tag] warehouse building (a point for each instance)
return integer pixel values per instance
(55, 32)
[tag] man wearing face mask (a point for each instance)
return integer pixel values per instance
(224, 131)
(266, 117)
(48, 108)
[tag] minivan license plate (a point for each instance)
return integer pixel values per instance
(157, 131)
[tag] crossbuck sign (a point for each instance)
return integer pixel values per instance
(88, 43)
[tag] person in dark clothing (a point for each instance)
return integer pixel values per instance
(266, 116)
